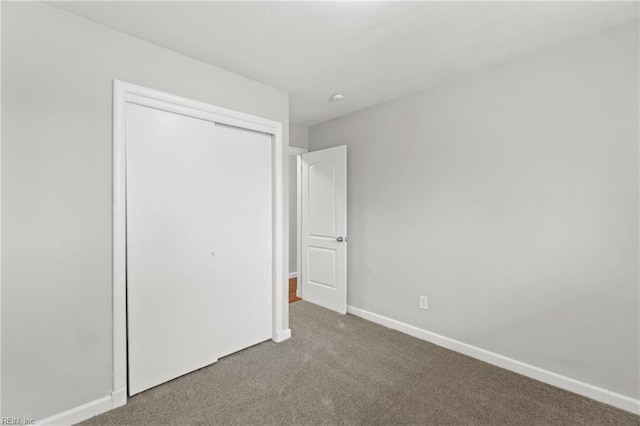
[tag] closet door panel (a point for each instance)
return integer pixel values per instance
(171, 217)
(244, 244)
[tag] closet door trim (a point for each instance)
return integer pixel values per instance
(124, 93)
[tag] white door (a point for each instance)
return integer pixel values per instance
(324, 228)
(198, 243)
(243, 246)
(171, 280)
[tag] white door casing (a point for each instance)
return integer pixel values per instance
(324, 228)
(297, 152)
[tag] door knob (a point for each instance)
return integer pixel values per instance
(339, 239)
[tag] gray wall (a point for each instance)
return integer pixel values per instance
(510, 198)
(299, 135)
(56, 192)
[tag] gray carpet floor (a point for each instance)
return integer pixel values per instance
(340, 369)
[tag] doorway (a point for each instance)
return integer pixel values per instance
(295, 223)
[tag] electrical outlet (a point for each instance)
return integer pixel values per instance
(424, 302)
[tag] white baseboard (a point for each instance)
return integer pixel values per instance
(282, 335)
(599, 394)
(119, 398)
(80, 413)
(293, 274)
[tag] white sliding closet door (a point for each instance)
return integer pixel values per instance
(243, 243)
(171, 284)
(198, 243)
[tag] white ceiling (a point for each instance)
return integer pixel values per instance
(371, 51)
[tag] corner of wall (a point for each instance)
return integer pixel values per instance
(298, 135)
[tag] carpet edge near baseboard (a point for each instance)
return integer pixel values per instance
(596, 393)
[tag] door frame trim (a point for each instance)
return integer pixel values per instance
(124, 93)
(297, 151)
